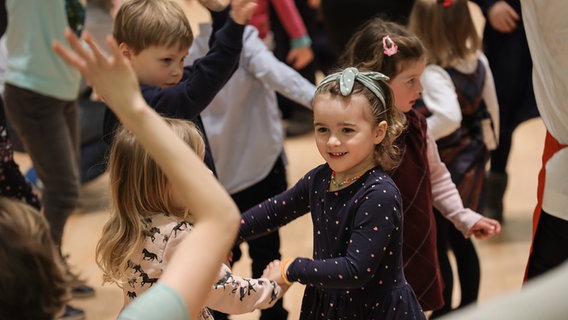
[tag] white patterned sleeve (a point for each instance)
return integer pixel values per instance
(233, 294)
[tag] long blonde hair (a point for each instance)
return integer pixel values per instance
(139, 188)
(448, 32)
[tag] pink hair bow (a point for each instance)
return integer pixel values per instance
(390, 47)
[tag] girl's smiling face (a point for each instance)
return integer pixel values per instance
(346, 133)
(406, 85)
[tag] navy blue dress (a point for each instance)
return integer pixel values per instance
(356, 271)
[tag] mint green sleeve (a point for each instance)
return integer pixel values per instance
(160, 302)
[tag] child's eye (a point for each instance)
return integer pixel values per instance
(411, 81)
(321, 130)
(167, 60)
(348, 130)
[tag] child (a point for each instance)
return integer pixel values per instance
(422, 178)
(244, 119)
(356, 270)
(182, 290)
(155, 36)
(149, 219)
(457, 81)
(33, 281)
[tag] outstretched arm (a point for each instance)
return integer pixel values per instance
(215, 213)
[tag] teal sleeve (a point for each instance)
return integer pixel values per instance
(304, 41)
(160, 302)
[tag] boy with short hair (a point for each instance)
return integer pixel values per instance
(155, 36)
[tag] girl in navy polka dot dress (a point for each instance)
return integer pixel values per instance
(356, 271)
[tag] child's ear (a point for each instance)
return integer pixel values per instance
(125, 50)
(380, 132)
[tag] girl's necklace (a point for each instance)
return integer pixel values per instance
(347, 181)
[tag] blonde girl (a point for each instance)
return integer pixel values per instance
(149, 220)
(184, 287)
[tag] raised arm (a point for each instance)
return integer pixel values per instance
(215, 213)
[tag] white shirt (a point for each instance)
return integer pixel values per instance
(243, 122)
(547, 34)
(440, 96)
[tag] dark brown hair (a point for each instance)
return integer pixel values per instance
(365, 49)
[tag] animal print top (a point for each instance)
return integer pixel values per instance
(230, 294)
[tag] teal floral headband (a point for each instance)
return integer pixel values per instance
(348, 77)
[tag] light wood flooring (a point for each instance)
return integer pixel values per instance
(502, 258)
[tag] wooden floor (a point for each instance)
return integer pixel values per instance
(502, 258)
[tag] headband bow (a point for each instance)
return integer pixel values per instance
(348, 77)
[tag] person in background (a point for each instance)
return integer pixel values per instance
(506, 47)
(243, 119)
(215, 214)
(458, 92)
(40, 97)
(550, 81)
(157, 51)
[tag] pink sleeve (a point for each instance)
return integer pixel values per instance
(290, 18)
(445, 195)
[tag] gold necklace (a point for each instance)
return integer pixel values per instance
(347, 181)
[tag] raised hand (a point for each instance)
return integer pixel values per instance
(242, 10)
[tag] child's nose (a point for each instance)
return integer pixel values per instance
(333, 140)
(420, 88)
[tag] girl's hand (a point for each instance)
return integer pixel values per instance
(485, 228)
(242, 10)
(273, 271)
